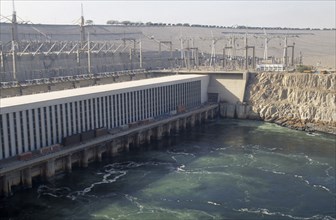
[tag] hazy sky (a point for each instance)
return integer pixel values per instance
(283, 13)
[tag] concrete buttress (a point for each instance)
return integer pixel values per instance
(50, 168)
(68, 163)
(85, 158)
(27, 178)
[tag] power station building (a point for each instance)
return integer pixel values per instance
(31, 122)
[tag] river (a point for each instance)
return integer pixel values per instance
(226, 169)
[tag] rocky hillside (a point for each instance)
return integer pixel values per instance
(301, 101)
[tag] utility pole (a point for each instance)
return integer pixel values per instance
(266, 46)
(292, 58)
(14, 42)
(213, 51)
(78, 56)
(266, 49)
(182, 51)
(188, 55)
(224, 54)
(140, 49)
(131, 57)
(233, 45)
(89, 54)
(246, 54)
(2, 60)
(285, 52)
(82, 27)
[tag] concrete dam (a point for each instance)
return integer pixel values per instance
(42, 134)
(240, 95)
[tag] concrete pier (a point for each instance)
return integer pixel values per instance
(85, 158)
(6, 186)
(68, 163)
(27, 178)
(177, 126)
(49, 169)
(159, 131)
(14, 172)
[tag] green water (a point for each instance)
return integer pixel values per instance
(228, 169)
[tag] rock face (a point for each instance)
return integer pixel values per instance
(297, 100)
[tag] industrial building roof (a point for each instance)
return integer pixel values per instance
(87, 91)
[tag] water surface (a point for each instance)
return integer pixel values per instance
(228, 169)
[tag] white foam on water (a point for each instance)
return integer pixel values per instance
(181, 153)
(213, 203)
(264, 211)
(322, 187)
(327, 172)
(123, 165)
(104, 181)
(180, 168)
(314, 185)
(223, 148)
(312, 134)
(301, 178)
(115, 169)
(43, 190)
(134, 201)
(315, 162)
(271, 171)
(102, 216)
(250, 156)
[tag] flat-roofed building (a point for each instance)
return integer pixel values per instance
(31, 122)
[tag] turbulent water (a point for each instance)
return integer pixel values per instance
(228, 169)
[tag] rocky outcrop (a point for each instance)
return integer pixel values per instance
(296, 100)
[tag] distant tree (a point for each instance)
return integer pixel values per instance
(112, 22)
(126, 22)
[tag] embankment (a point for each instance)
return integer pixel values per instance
(297, 100)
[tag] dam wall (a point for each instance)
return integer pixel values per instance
(230, 87)
(20, 173)
(297, 100)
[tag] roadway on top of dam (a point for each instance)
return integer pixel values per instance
(199, 71)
